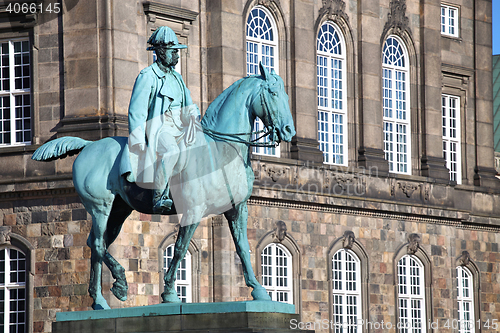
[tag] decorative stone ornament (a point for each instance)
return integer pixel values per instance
(333, 9)
(4, 235)
(464, 259)
(269, 3)
(349, 239)
(279, 232)
(397, 18)
(413, 243)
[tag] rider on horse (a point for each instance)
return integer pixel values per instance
(160, 110)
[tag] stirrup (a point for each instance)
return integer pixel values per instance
(163, 204)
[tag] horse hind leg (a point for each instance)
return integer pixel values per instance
(118, 215)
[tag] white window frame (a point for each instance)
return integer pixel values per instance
(465, 298)
(8, 286)
(410, 270)
(396, 108)
(183, 285)
(331, 83)
(450, 19)
(346, 284)
(11, 95)
(452, 153)
(270, 63)
(277, 273)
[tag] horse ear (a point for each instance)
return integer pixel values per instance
(264, 72)
(273, 72)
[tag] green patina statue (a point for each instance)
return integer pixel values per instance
(211, 174)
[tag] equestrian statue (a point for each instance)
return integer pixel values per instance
(174, 163)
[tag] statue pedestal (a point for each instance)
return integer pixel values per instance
(248, 316)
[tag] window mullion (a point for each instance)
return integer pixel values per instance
(7, 290)
(12, 110)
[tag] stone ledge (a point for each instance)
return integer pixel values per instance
(180, 308)
(248, 316)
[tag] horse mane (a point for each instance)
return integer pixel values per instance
(210, 118)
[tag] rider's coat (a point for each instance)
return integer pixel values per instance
(155, 108)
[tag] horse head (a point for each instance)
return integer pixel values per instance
(272, 106)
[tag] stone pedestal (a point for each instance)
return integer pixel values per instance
(249, 316)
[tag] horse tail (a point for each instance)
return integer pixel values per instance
(59, 148)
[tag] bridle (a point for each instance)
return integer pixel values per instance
(235, 137)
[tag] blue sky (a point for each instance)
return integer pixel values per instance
(496, 26)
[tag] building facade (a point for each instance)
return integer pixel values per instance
(496, 108)
(380, 215)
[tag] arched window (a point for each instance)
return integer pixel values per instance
(346, 291)
(262, 46)
(395, 99)
(465, 298)
(411, 295)
(277, 270)
(331, 86)
(13, 294)
(183, 282)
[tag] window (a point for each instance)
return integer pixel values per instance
(449, 21)
(346, 289)
(465, 297)
(15, 98)
(451, 136)
(262, 46)
(331, 95)
(276, 264)
(13, 290)
(395, 105)
(411, 295)
(183, 280)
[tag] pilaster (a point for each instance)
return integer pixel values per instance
(432, 161)
(305, 145)
(371, 148)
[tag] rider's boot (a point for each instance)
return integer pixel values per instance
(161, 200)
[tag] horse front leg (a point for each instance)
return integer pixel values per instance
(98, 249)
(189, 223)
(237, 218)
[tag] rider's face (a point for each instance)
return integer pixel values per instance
(168, 57)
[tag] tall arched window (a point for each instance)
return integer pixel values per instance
(13, 296)
(183, 282)
(331, 86)
(262, 46)
(277, 270)
(346, 291)
(465, 298)
(411, 295)
(395, 91)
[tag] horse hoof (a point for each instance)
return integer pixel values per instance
(120, 290)
(100, 304)
(260, 294)
(170, 297)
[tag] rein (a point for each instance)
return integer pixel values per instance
(234, 137)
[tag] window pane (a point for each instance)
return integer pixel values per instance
(15, 82)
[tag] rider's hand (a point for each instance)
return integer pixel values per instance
(139, 147)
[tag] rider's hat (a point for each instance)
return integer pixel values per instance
(164, 36)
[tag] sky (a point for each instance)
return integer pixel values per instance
(496, 26)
